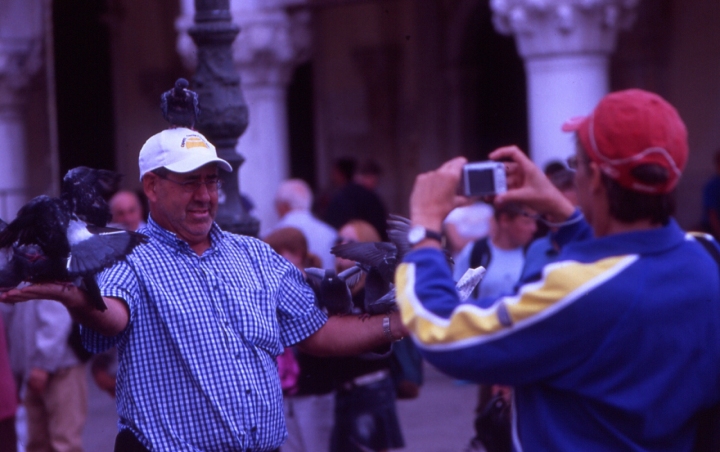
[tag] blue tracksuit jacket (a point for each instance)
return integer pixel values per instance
(615, 346)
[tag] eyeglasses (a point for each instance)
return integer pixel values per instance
(212, 184)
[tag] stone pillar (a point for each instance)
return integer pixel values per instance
(20, 58)
(270, 45)
(566, 45)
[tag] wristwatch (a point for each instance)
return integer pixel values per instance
(418, 233)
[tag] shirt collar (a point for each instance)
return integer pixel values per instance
(172, 240)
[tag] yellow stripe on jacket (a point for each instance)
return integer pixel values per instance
(562, 284)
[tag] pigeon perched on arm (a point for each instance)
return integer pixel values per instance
(64, 239)
(334, 290)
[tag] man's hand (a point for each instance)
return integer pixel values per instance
(68, 294)
(528, 185)
(434, 194)
(38, 380)
(109, 322)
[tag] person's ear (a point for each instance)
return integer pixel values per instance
(595, 175)
(149, 182)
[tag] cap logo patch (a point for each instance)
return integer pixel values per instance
(195, 142)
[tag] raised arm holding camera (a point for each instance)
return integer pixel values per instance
(616, 345)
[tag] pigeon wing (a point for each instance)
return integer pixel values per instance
(398, 229)
(368, 253)
(93, 248)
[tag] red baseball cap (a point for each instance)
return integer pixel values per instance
(630, 128)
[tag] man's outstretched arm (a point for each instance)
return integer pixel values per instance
(352, 335)
(110, 322)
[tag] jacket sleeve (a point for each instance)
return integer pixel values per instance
(516, 339)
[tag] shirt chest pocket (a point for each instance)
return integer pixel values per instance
(252, 316)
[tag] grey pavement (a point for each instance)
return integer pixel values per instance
(439, 420)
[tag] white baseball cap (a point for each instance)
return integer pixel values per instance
(180, 150)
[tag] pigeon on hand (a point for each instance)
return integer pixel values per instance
(334, 290)
(180, 105)
(64, 239)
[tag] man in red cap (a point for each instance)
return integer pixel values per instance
(614, 346)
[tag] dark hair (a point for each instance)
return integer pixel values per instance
(161, 172)
(346, 166)
(509, 209)
(628, 206)
(563, 180)
(370, 167)
(555, 166)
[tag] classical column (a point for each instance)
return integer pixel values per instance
(270, 45)
(20, 58)
(566, 45)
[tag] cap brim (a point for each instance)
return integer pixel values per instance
(573, 124)
(191, 164)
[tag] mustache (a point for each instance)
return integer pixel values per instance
(199, 206)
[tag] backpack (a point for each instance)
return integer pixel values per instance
(480, 255)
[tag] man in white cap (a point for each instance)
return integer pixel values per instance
(615, 345)
(198, 316)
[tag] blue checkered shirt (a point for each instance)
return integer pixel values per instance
(197, 367)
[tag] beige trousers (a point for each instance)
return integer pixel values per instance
(56, 418)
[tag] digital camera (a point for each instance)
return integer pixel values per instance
(483, 179)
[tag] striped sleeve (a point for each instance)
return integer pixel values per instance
(512, 339)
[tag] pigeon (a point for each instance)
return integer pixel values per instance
(180, 105)
(65, 239)
(84, 191)
(333, 289)
(379, 260)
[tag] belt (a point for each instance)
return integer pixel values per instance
(364, 380)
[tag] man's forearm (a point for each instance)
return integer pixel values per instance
(352, 335)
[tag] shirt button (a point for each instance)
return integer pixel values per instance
(248, 391)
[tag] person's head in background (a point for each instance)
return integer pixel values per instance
(293, 194)
(343, 171)
(368, 174)
(515, 226)
(291, 244)
(554, 166)
(126, 209)
(354, 231)
(564, 180)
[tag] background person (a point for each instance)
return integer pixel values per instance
(586, 344)
(365, 400)
(293, 200)
(127, 210)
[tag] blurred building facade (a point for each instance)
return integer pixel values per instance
(409, 83)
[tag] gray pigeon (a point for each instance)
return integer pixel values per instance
(64, 239)
(333, 289)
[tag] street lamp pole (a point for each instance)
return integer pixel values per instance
(223, 113)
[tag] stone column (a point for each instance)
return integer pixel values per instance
(20, 58)
(566, 45)
(270, 45)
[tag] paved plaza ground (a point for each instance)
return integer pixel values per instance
(440, 420)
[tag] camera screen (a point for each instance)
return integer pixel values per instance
(481, 181)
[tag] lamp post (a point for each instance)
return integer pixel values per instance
(223, 112)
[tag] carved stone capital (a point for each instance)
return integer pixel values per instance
(563, 27)
(271, 44)
(20, 59)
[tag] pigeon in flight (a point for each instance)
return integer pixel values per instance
(65, 239)
(180, 105)
(334, 294)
